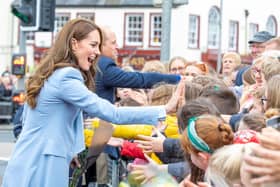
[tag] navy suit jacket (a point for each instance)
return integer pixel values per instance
(110, 76)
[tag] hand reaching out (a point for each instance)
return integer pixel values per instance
(146, 172)
(151, 144)
(177, 99)
(265, 161)
(270, 138)
(116, 142)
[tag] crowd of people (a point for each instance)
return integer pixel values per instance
(7, 91)
(183, 124)
(7, 85)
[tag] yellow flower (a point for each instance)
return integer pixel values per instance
(88, 133)
(172, 130)
(131, 131)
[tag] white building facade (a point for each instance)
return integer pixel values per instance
(194, 28)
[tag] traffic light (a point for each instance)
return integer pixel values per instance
(47, 15)
(35, 15)
(19, 64)
(26, 11)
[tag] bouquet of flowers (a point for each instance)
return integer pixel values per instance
(78, 171)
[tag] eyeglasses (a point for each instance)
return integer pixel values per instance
(177, 69)
(256, 46)
(191, 74)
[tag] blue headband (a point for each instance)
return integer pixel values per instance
(195, 140)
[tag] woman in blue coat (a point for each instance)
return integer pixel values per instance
(58, 91)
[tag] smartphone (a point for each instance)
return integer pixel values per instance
(274, 122)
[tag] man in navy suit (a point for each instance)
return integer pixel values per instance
(110, 76)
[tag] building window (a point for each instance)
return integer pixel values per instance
(134, 29)
(253, 29)
(30, 37)
(89, 16)
(213, 28)
(271, 25)
(155, 30)
(233, 36)
(193, 38)
(60, 21)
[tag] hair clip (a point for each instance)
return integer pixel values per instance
(216, 87)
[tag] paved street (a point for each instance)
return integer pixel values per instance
(6, 146)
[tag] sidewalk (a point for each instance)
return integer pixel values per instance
(5, 153)
(6, 149)
(6, 127)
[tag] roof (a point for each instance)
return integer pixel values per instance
(110, 3)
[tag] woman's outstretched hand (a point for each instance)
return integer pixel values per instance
(177, 100)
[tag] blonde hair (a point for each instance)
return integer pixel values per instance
(273, 97)
(272, 112)
(154, 66)
(235, 56)
(224, 165)
(270, 67)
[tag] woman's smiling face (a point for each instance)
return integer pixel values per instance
(86, 50)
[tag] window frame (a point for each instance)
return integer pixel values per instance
(274, 20)
(152, 43)
(217, 29)
(197, 44)
(251, 33)
(60, 14)
(235, 48)
(126, 30)
(86, 15)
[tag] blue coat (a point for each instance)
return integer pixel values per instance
(111, 76)
(53, 131)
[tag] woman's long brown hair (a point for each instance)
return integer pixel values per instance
(61, 55)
